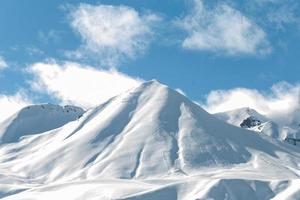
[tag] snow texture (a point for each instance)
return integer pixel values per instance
(149, 143)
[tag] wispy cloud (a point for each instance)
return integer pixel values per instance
(3, 63)
(112, 33)
(34, 51)
(283, 15)
(222, 29)
(73, 83)
(281, 103)
(52, 36)
(274, 15)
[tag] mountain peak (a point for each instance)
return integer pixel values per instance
(248, 110)
(156, 85)
(149, 131)
(35, 119)
(237, 116)
(147, 134)
(153, 82)
(50, 107)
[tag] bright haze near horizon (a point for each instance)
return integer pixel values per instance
(221, 54)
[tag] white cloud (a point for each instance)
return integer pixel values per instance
(10, 104)
(112, 32)
(84, 86)
(222, 29)
(281, 103)
(3, 63)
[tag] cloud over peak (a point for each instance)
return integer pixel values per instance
(222, 29)
(73, 83)
(112, 32)
(281, 103)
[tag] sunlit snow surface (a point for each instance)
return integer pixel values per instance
(148, 143)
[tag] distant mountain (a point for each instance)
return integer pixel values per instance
(37, 119)
(148, 143)
(237, 116)
(252, 120)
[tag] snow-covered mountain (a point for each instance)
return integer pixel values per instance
(237, 116)
(36, 119)
(149, 143)
(252, 120)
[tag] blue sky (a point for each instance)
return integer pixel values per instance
(198, 46)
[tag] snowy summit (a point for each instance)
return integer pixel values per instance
(150, 142)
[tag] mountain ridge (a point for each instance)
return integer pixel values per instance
(265, 126)
(155, 140)
(36, 119)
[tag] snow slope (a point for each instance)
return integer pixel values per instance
(36, 119)
(148, 143)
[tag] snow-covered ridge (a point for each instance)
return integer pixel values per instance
(37, 119)
(237, 116)
(148, 143)
(252, 120)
